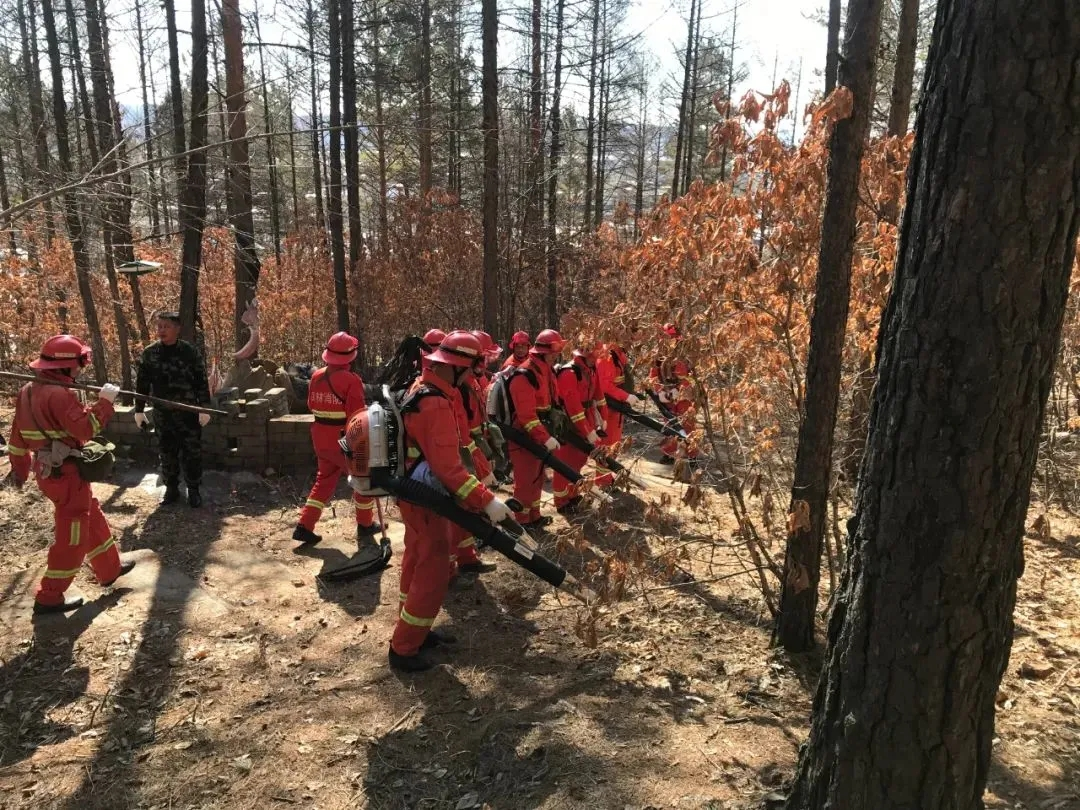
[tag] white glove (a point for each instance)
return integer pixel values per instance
(204, 419)
(552, 444)
(109, 392)
(497, 511)
(601, 422)
(633, 401)
(489, 480)
(593, 438)
(140, 420)
(664, 396)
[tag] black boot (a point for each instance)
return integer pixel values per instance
(367, 532)
(125, 568)
(437, 638)
(172, 494)
(70, 603)
(409, 663)
(667, 460)
(570, 507)
(194, 499)
(306, 536)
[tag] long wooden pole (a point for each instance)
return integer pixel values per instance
(180, 406)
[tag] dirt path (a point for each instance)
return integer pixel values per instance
(224, 674)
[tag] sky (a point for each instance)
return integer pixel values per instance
(771, 35)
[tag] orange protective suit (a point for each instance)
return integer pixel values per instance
(44, 413)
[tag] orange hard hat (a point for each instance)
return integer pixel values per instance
(519, 338)
(62, 351)
(433, 337)
(487, 343)
(548, 342)
(459, 348)
(340, 349)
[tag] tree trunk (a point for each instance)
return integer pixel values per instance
(5, 203)
(115, 230)
(602, 115)
(684, 101)
(82, 111)
(553, 175)
(316, 123)
(271, 158)
(453, 160)
(907, 37)
(238, 172)
(352, 148)
(176, 101)
(163, 184)
(193, 199)
(590, 122)
(337, 234)
(810, 489)
(691, 121)
(148, 137)
(532, 225)
(380, 132)
(293, 90)
(425, 120)
(72, 216)
(730, 86)
(832, 45)
(489, 34)
(31, 60)
(922, 628)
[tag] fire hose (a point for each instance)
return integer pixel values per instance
(646, 420)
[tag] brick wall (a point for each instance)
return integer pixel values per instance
(251, 439)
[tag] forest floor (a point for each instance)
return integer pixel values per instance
(224, 674)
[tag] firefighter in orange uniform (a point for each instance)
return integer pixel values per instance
(531, 390)
(52, 424)
(611, 366)
(471, 417)
(519, 350)
(576, 385)
(431, 426)
(670, 379)
(334, 394)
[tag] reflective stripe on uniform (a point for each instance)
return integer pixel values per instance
(17, 451)
(55, 573)
(94, 423)
(534, 423)
(74, 535)
(577, 417)
(329, 414)
(468, 541)
(415, 621)
(363, 503)
(61, 434)
(413, 452)
(403, 596)
(315, 504)
(33, 435)
(102, 548)
(471, 447)
(465, 490)
(562, 493)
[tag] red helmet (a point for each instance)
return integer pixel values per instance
(341, 349)
(671, 330)
(459, 348)
(62, 351)
(487, 343)
(519, 338)
(433, 337)
(588, 355)
(548, 342)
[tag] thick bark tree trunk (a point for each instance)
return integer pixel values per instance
(553, 175)
(176, 100)
(193, 199)
(271, 157)
(832, 45)
(425, 120)
(337, 234)
(907, 38)
(316, 123)
(116, 229)
(72, 216)
(813, 458)
(148, 137)
(590, 122)
(490, 83)
(36, 105)
(238, 172)
(684, 101)
(922, 628)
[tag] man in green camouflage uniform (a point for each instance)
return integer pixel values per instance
(173, 369)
